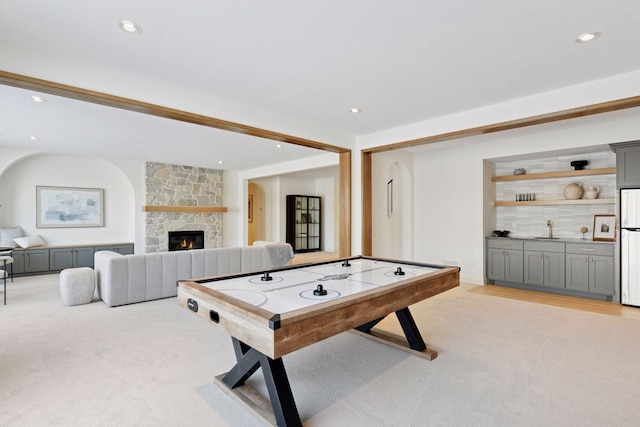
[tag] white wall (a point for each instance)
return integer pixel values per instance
(450, 177)
(327, 188)
(613, 88)
(19, 181)
(450, 204)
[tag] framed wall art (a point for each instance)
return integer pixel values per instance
(604, 228)
(62, 207)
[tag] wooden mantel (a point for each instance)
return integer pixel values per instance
(184, 209)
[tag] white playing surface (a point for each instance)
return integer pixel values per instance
(293, 289)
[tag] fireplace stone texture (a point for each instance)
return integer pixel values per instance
(176, 185)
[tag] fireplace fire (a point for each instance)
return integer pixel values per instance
(185, 240)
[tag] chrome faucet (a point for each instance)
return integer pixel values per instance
(550, 229)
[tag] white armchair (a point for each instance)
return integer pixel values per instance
(6, 258)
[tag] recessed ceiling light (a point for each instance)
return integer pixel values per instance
(278, 145)
(587, 37)
(220, 162)
(36, 98)
(130, 26)
(355, 110)
(33, 138)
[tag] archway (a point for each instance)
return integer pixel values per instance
(400, 212)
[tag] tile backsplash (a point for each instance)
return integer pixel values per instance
(531, 221)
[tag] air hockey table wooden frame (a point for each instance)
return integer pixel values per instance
(260, 337)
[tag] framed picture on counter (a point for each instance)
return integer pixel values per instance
(604, 228)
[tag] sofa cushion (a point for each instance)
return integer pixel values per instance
(29, 241)
(213, 262)
(175, 266)
(8, 234)
(253, 259)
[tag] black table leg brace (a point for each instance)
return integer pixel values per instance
(275, 377)
(409, 327)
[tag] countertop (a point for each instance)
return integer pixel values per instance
(558, 239)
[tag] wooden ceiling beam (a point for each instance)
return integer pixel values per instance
(588, 110)
(100, 98)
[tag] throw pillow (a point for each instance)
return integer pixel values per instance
(8, 234)
(27, 242)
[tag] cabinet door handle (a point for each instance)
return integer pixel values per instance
(591, 259)
(588, 249)
(586, 259)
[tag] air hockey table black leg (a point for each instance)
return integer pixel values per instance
(410, 329)
(366, 328)
(275, 377)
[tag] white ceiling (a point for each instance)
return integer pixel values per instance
(290, 66)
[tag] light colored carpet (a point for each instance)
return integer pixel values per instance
(501, 362)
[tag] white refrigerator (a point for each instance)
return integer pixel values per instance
(630, 246)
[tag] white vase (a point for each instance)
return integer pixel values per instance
(573, 191)
(592, 192)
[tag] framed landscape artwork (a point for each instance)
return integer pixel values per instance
(62, 207)
(604, 228)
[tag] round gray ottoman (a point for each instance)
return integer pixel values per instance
(77, 285)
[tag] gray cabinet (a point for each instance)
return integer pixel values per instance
(544, 264)
(577, 272)
(590, 268)
(556, 266)
(61, 258)
(601, 275)
(627, 163)
(53, 259)
(18, 262)
(504, 260)
(36, 260)
(121, 249)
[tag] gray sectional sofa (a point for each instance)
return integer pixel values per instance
(126, 279)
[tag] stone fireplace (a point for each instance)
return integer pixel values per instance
(185, 240)
(175, 185)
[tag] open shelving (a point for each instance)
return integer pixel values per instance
(556, 174)
(551, 175)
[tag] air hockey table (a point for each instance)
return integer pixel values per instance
(269, 314)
